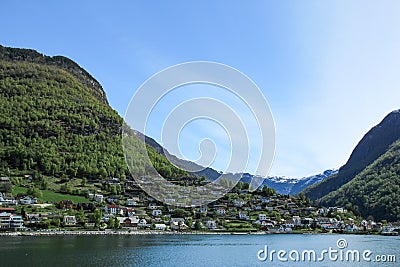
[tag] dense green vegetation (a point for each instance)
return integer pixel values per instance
(375, 191)
(54, 119)
(50, 122)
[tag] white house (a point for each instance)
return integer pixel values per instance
(10, 221)
(340, 210)
(160, 226)
(98, 198)
(27, 200)
(69, 220)
(296, 220)
(153, 206)
(112, 209)
(211, 224)
(262, 217)
(221, 210)
(264, 199)
(16, 221)
(132, 201)
(142, 223)
(8, 201)
(243, 215)
(268, 224)
(238, 202)
(4, 180)
(156, 212)
(177, 224)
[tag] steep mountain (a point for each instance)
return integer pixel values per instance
(55, 120)
(375, 191)
(291, 186)
(373, 145)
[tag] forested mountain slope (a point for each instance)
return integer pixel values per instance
(55, 119)
(374, 191)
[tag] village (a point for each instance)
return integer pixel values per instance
(239, 211)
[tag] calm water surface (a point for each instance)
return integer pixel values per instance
(183, 250)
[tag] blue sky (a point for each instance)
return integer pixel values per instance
(329, 69)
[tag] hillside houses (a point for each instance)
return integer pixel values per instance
(130, 208)
(69, 220)
(27, 200)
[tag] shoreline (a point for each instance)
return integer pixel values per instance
(151, 232)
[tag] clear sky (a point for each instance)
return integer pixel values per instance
(329, 69)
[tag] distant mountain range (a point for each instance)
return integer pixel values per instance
(291, 186)
(282, 185)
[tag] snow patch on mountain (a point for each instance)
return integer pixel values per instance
(288, 185)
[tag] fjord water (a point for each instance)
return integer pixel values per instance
(181, 250)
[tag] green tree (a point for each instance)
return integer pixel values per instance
(56, 222)
(111, 223)
(179, 213)
(197, 225)
(117, 224)
(34, 192)
(97, 216)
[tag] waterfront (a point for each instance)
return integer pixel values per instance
(182, 250)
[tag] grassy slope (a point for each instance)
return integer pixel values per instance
(51, 196)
